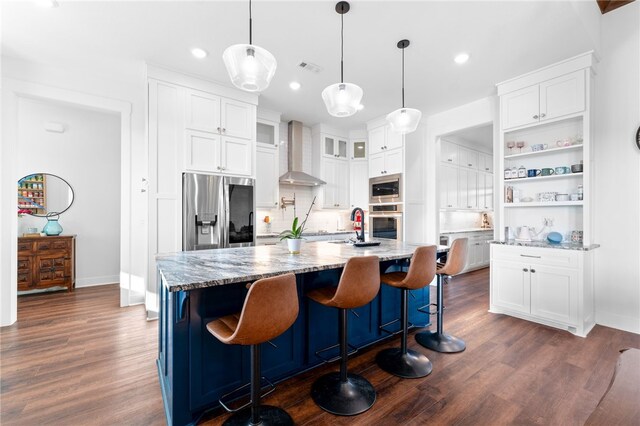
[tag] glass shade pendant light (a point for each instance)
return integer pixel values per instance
(342, 99)
(250, 67)
(404, 120)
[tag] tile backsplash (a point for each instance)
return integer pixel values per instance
(456, 220)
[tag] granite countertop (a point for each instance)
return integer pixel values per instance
(207, 268)
(308, 233)
(460, 231)
(546, 244)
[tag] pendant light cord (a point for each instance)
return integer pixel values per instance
(250, 25)
(342, 48)
(403, 77)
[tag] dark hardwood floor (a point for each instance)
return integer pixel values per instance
(79, 359)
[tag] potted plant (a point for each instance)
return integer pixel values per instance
(294, 235)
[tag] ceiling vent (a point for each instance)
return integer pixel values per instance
(308, 66)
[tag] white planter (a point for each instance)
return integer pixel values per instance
(294, 245)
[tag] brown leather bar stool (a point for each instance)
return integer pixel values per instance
(273, 298)
(440, 341)
(401, 361)
(343, 393)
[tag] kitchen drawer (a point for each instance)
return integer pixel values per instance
(24, 281)
(56, 244)
(25, 246)
(536, 256)
(24, 264)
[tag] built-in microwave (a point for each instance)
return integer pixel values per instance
(385, 221)
(385, 189)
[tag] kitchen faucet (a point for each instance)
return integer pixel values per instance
(359, 237)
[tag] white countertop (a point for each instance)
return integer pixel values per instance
(459, 231)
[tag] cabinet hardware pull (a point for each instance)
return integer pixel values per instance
(536, 116)
(224, 130)
(543, 115)
(449, 205)
(470, 165)
(528, 255)
(486, 168)
(276, 203)
(218, 129)
(449, 159)
(533, 271)
(525, 270)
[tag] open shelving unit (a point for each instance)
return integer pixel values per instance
(32, 193)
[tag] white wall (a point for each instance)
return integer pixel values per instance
(87, 156)
(113, 91)
(617, 171)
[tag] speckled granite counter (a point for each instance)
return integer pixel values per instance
(545, 244)
(309, 234)
(206, 268)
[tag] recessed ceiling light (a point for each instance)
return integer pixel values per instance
(461, 58)
(199, 53)
(360, 107)
(48, 3)
(294, 85)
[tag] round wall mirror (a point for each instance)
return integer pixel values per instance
(40, 194)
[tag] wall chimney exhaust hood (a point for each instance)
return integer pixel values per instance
(295, 175)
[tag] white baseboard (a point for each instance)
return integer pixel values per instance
(610, 319)
(93, 281)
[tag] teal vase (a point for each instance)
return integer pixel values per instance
(52, 227)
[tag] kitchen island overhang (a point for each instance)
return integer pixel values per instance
(196, 287)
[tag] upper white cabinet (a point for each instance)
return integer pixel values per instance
(468, 158)
(267, 175)
(386, 163)
(358, 151)
(547, 100)
(237, 156)
(268, 133)
(448, 152)
(336, 191)
(202, 151)
(448, 187)
(334, 147)
(216, 114)
(485, 162)
(382, 138)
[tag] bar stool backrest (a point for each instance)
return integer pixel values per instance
(456, 258)
(359, 283)
(270, 308)
(422, 269)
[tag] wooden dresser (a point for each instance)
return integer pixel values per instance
(45, 262)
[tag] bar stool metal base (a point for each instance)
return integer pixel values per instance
(410, 365)
(268, 416)
(440, 342)
(349, 398)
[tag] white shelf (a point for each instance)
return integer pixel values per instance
(544, 204)
(544, 151)
(539, 178)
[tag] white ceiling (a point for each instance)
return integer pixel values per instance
(505, 39)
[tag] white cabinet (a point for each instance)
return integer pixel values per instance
(468, 158)
(386, 163)
(202, 151)
(467, 189)
(359, 184)
(267, 175)
(547, 285)
(336, 191)
(210, 113)
(267, 133)
(334, 147)
(448, 152)
(358, 150)
(448, 187)
(485, 191)
(485, 162)
(550, 99)
(382, 138)
(210, 152)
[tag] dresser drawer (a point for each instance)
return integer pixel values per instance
(24, 264)
(25, 282)
(54, 244)
(25, 246)
(45, 263)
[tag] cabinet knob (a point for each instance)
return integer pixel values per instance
(533, 271)
(486, 168)
(525, 270)
(276, 203)
(449, 205)
(224, 130)
(543, 115)
(470, 165)
(218, 129)
(536, 116)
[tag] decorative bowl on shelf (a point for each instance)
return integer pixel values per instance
(554, 237)
(526, 200)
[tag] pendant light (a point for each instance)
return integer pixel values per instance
(250, 67)
(342, 99)
(404, 120)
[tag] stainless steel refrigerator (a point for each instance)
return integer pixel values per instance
(217, 212)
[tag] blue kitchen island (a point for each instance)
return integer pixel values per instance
(196, 287)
